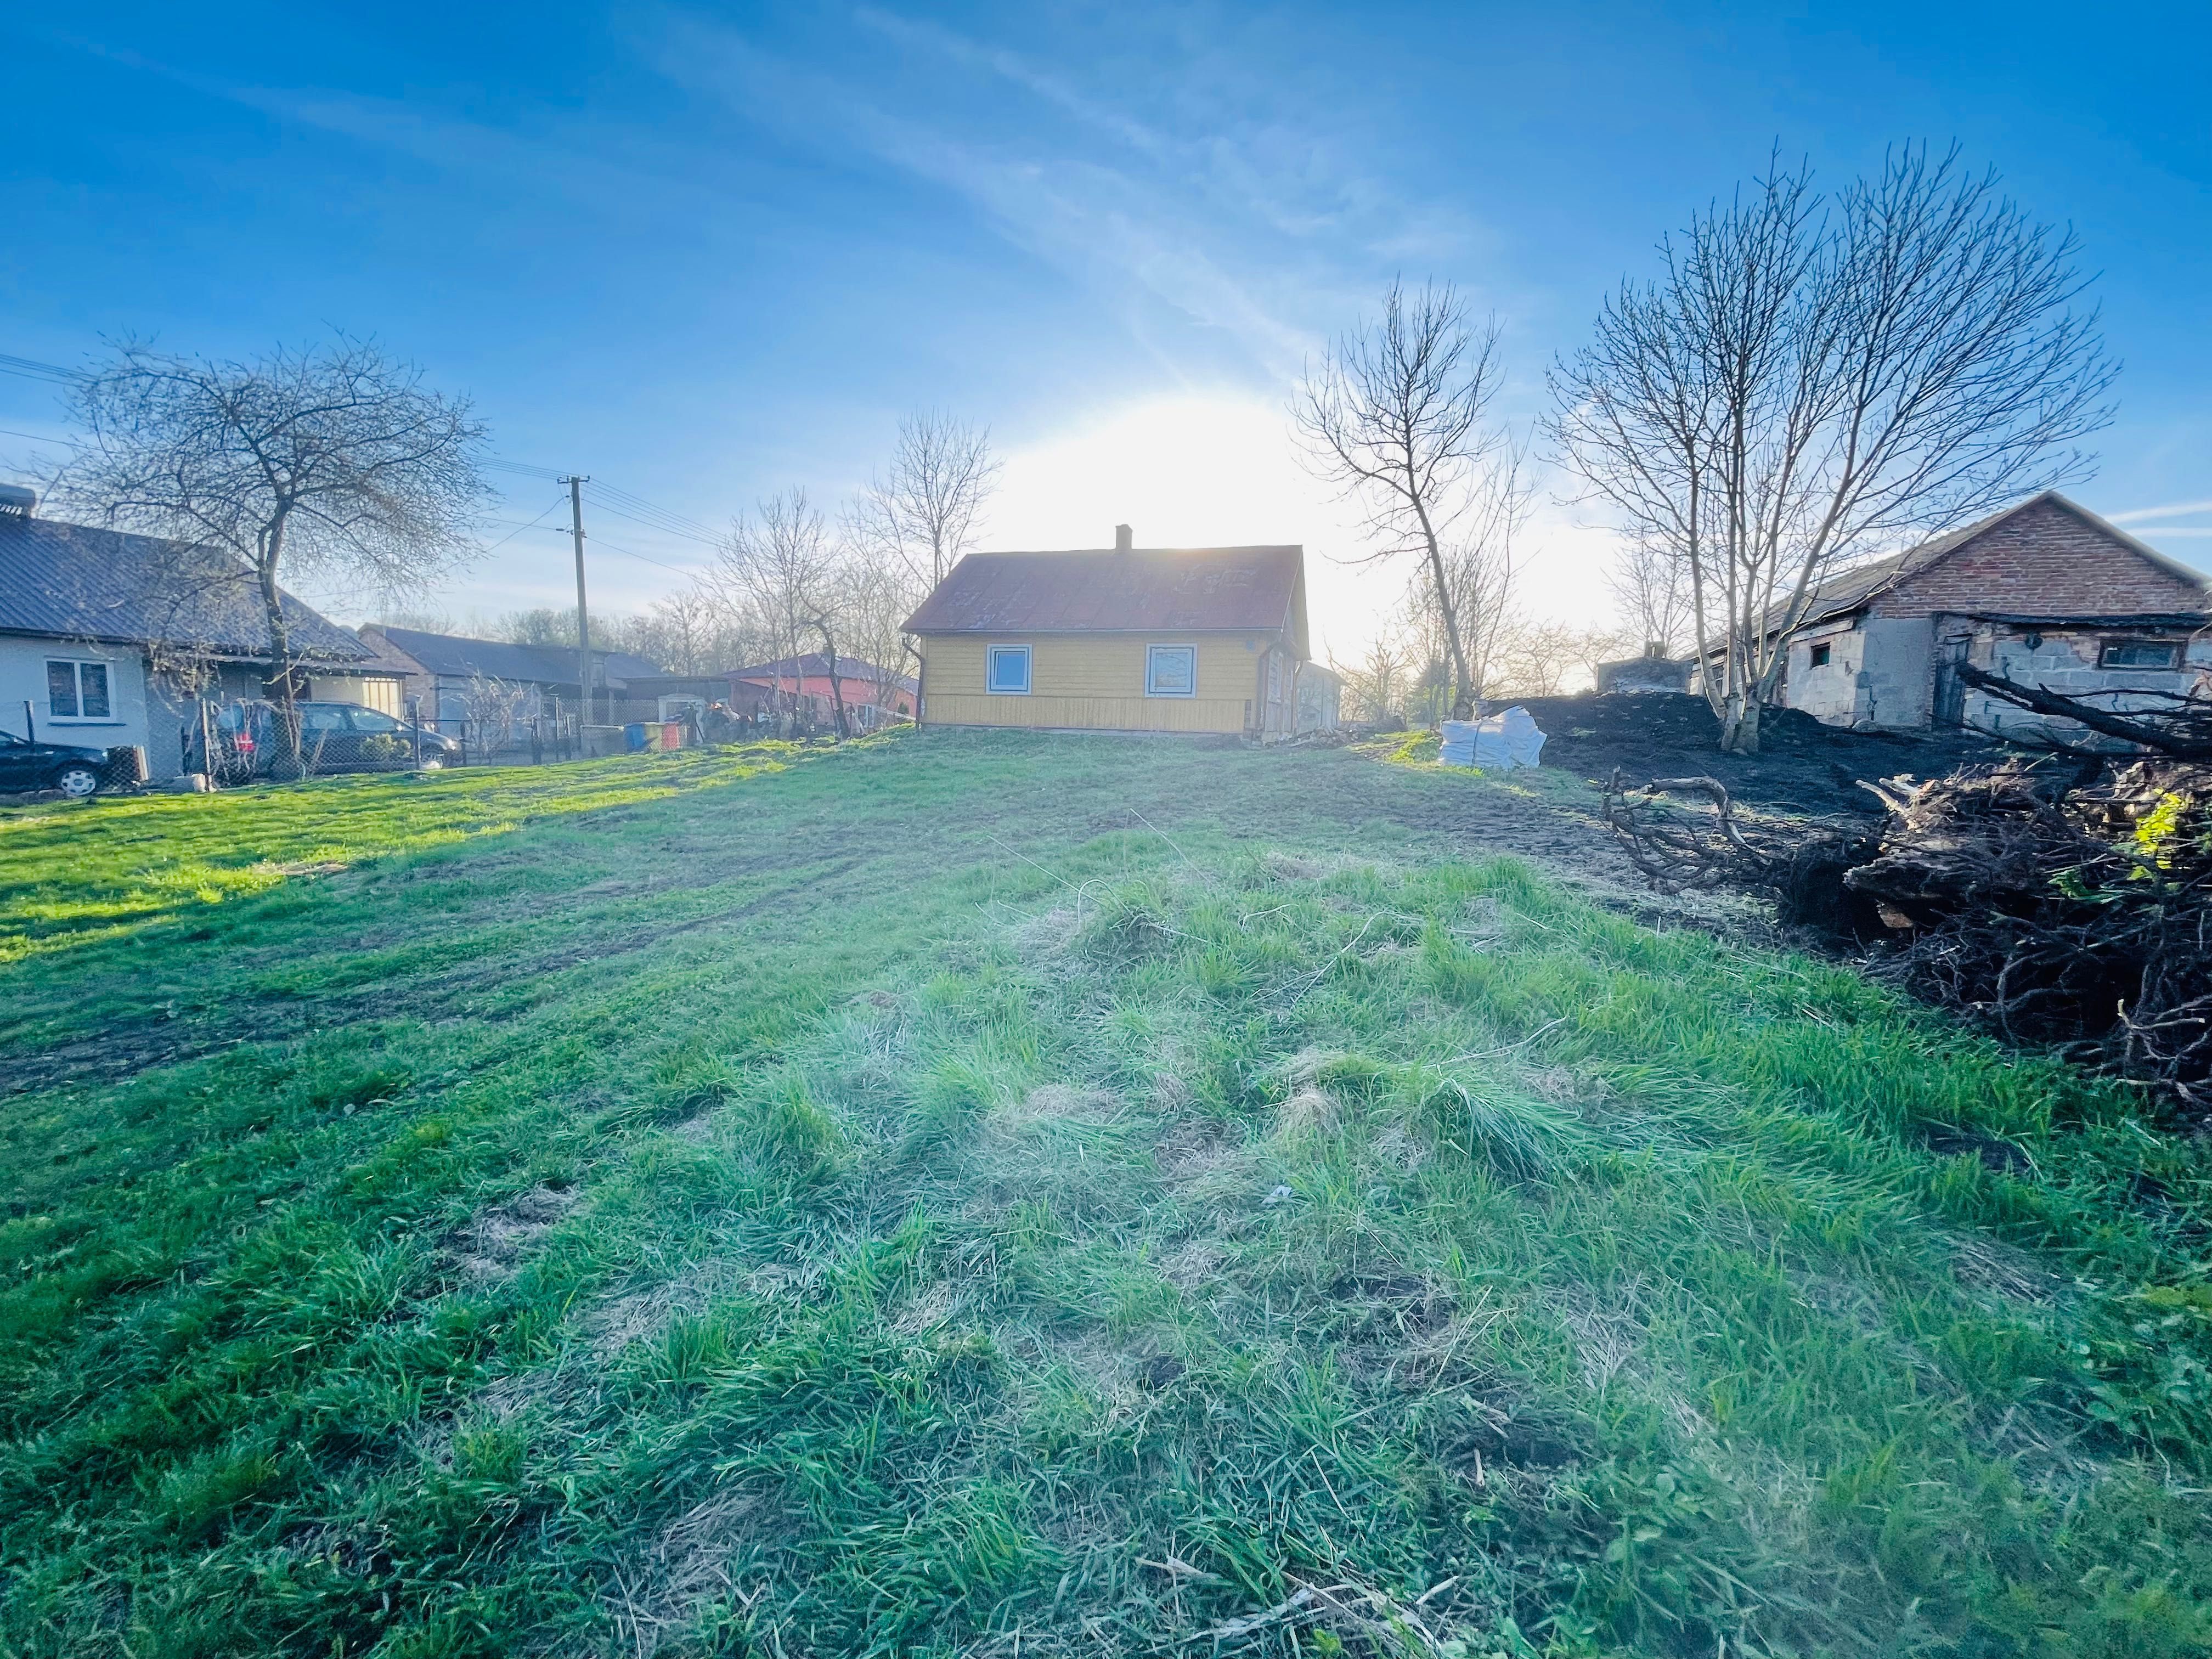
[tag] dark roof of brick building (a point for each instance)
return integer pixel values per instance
(455, 654)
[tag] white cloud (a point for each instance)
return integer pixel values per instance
(2174, 510)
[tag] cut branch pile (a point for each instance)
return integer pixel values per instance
(2176, 724)
(1800, 869)
(2062, 901)
(2056, 908)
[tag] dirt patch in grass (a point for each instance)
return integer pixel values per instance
(493, 1245)
(686, 1569)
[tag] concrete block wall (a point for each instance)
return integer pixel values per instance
(2065, 660)
(1830, 692)
(1897, 679)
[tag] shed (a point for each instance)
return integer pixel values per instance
(2046, 592)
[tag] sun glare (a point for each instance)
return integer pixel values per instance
(1225, 470)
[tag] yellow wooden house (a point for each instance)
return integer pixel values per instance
(1121, 639)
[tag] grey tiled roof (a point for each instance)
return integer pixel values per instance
(77, 582)
(500, 659)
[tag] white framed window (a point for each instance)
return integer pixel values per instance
(78, 691)
(1006, 670)
(1171, 671)
(2139, 653)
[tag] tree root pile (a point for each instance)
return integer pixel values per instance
(2058, 902)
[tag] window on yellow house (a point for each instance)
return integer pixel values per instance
(1171, 671)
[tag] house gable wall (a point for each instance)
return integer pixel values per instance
(1097, 681)
(2045, 560)
(130, 720)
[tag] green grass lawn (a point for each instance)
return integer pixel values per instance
(1019, 1195)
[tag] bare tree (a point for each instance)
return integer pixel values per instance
(1375, 687)
(494, 705)
(686, 633)
(783, 568)
(333, 465)
(877, 597)
(1652, 590)
(1394, 415)
(927, 509)
(1802, 384)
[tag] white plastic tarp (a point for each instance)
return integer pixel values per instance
(1498, 744)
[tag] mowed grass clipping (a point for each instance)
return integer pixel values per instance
(1034, 1239)
(71, 871)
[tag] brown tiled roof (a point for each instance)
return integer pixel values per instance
(1847, 590)
(1139, 589)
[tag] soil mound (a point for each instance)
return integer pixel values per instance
(1802, 766)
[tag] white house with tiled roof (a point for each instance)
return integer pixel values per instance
(96, 625)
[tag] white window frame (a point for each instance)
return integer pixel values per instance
(2122, 642)
(77, 666)
(1150, 690)
(1029, 671)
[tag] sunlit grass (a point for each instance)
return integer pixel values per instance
(73, 870)
(962, 1188)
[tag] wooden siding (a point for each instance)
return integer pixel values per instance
(1093, 682)
(369, 691)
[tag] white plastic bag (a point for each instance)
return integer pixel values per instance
(1497, 744)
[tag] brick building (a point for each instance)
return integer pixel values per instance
(2045, 593)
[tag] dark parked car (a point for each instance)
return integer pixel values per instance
(25, 766)
(334, 736)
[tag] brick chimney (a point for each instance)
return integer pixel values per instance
(1124, 538)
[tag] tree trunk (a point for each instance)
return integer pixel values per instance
(836, 685)
(1739, 727)
(280, 645)
(1462, 687)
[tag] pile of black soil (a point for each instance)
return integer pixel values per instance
(1802, 766)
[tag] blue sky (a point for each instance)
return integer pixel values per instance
(703, 253)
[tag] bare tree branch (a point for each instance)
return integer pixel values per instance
(332, 465)
(1396, 416)
(927, 508)
(1803, 386)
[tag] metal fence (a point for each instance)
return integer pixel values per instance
(243, 742)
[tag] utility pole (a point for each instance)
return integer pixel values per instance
(583, 616)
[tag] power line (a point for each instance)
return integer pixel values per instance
(527, 471)
(615, 547)
(673, 520)
(31, 370)
(520, 528)
(598, 541)
(651, 524)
